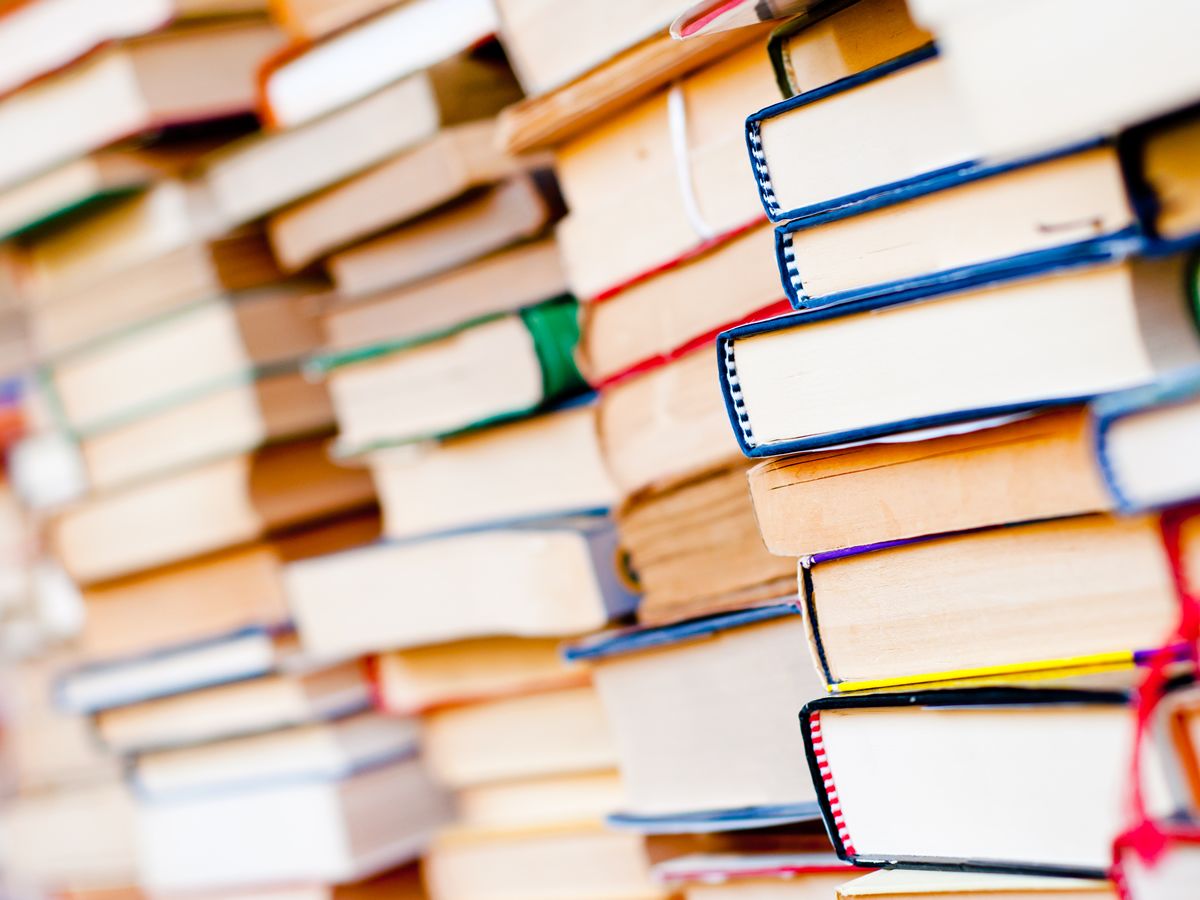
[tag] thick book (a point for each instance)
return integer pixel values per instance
(1048, 766)
(545, 733)
(207, 598)
(839, 38)
(544, 465)
(697, 549)
(210, 507)
(964, 227)
(413, 681)
(166, 671)
(702, 713)
(42, 36)
(730, 875)
(576, 858)
(349, 828)
(1147, 440)
(194, 351)
(1089, 593)
(451, 163)
(909, 98)
(321, 750)
(664, 180)
(660, 318)
(503, 367)
(813, 380)
(538, 578)
(1038, 467)
(496, 218)
(267, 171)
(1065, 87)
(235, 709)
(552, 44)
(664, 425)
(308, 80)
(898, 884)
(135, 87)
(507, 280)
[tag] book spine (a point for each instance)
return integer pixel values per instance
(835, 820)
(615, 581)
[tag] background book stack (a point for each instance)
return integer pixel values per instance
(497, 450)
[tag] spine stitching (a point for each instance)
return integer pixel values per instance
(835, 807)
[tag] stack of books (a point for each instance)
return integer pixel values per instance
(595, 464)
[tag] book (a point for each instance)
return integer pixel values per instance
(653, 320)
(1006, 750)
(533, 36)
(1041, 466)
(307, 81)
(1085, 309)
(992, 603)
(909, 98)
(699, 729)
(544, 465)
(350, 828)
(209, 597)
(505, 281)
(835, 40)
(893, 884)
(436, 171)
(166, 672)
(697, 550)
(665, 424)
(478, 374)
(412, 681)
(1010, 114)
(210, 507)
(1161, 175)
(543, 121)
(97, 819)
(227, 420)
(1144, 437)
(252, 706)
(264, 172)
(543, 578)
(193, 272)
(318, 751)
(518, 209)
(644, 193)
(716, 876)
(194, 351)
(1171, 875)
(547, 800)
(140, 85)
(572, 861)
(309, 20)
(552, 732)
(40, 37)
(77, 186)
(967, 227)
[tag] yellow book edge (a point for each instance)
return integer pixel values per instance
(1091, 664)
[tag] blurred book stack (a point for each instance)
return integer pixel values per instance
(597, 464)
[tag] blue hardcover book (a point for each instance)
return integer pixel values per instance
(872, 134)
(960, 228)
(882, 369)
(315, 752)
(237, 656)
(704, 717)
(1148, 442)
(1160, 167)
(544, 577)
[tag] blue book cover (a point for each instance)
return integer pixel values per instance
(1170, 390)
(739, 416)
(775, 208)
(1110, 245)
